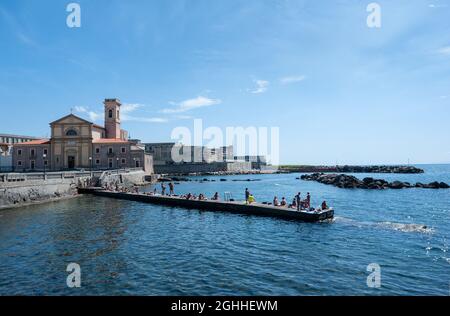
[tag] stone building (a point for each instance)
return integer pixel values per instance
(76, 143)
(194, 159)
(6, 143)
(14, 139)
(162, 153)
(258, 162)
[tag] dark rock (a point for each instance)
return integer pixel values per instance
(396, 185)
(433, 185)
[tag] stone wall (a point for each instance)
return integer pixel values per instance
(27, 192)
(203, 167)
(18, 189)
(122, 179)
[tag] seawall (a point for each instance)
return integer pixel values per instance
(20, 189)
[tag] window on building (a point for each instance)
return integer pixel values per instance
(45, 162)
(32, 164)
(124, 161)
(97, 150)
(71, 132)
(19, 152)
(32, 152)
(124, 150)
(137, 163)
(110, 113)
(45, 151)
(117, 114)
(19, 163)
(97, 161)
(110, 150)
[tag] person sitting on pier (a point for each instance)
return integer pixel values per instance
(324, 205)
(275, 201)
(189, 196)
(215, 197)
(294, 203)
(201, 197)
(251, 199)
(171, 188)
(283, 201)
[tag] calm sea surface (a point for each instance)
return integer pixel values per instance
(127, 248)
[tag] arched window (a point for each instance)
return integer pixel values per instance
(110, 114)
(71, 132)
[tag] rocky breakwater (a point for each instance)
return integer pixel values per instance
(351, 169)
(351, 182)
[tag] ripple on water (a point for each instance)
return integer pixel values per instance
(132, 248)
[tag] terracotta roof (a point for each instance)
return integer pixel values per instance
(98, 126)
(110, 141)
(34, 142)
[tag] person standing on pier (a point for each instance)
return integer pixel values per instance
(171, 189)
(298, 200)
(163, 188)
(308, 200)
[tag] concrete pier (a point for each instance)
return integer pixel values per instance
(257, 209)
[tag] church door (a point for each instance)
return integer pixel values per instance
(71, 162)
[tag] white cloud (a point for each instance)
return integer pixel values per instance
(435, 6)
(292, 79)
(191, 104)
(183, 117)
(125, 110)
(130, 107)
(93, 116)
(81, 109)
(145, 119)
(261, 86)
(444, 50)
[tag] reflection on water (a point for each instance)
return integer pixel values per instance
(127, 247)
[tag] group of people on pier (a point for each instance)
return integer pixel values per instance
(297, 202)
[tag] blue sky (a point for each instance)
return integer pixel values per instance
(338, 90)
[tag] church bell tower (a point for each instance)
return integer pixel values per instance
(112, 118)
